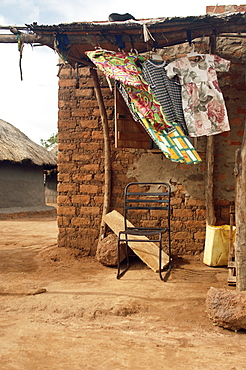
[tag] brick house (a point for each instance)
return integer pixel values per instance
(81, 167)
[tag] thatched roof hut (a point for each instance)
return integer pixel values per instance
(16, 147)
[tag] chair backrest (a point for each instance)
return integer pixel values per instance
(147, 205)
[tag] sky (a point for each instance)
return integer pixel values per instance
(31, 105)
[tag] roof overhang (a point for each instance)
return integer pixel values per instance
(131, 34)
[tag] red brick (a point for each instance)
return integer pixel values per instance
(194, 202)
(97, 135)
(93, 147)
(67, 104)
(90, 211)
(80, 112)
(63, 199)
(66, 146)
(195, 224)
(81, 177)
(215, 9)
(240, 133)
(90, 189)
(91, 167)
(225, 134)
(81, 199)
(64, 187)
(237, 121)
(182, 235)
(66, 210)
(158, 214)
(85, 72)
(99, 177)
(84, 93)
(88, 104)
(64, 94)
(176, 200)
(201, 212)
(81, 221)
(234, 142)
(199, 235)
(67, 83)
(182, 213)
(63, 221)
(93, 123)
(150, 223)
(65, 72)
(64, 114)
(176, 224)
(77, 157)
(98, 199)
(63, 177)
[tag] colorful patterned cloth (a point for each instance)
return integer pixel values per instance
(118, 65)
(123, 67)
(174, 145)
(203, 103)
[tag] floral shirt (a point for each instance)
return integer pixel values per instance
(203, 103)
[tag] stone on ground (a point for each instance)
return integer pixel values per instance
(227, 308)
(107, 253)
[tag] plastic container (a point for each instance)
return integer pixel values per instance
(217, 244)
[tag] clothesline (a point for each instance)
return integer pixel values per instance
(171, 100)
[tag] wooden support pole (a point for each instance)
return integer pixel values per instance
(240, 216)
(209, 191)
(28, 38)
(209, 188)
(107, 152)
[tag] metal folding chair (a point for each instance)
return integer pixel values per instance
(147, 207)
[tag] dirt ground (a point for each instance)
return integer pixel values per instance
(61, 311)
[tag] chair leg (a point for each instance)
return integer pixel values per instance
(121, 273)
(167, 273)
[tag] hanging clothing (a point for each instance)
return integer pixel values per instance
(203, 103)
(166, 91)
(174, 145)
(123, 67)
(118, 65)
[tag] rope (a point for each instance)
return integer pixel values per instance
(20, 49)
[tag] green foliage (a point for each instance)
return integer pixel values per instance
(50, 142)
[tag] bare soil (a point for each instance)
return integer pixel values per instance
(59, 310)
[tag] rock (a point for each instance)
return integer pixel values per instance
(107, 253)
(227, 308)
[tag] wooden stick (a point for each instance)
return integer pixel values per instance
(240, 215)
(209, 191)
(107, 152)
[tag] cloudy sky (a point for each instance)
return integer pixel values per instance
(31, 104)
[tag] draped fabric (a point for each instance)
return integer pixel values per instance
(169, 137)
(174, 145)
(123, 67)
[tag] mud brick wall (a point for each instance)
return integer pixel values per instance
(218, 9)
(81, 162)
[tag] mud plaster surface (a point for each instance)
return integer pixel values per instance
(61, 311)
(157, 168)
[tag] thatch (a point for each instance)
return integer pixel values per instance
(18, 148)
(84, 36)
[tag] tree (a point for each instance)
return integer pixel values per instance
(49, 143)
